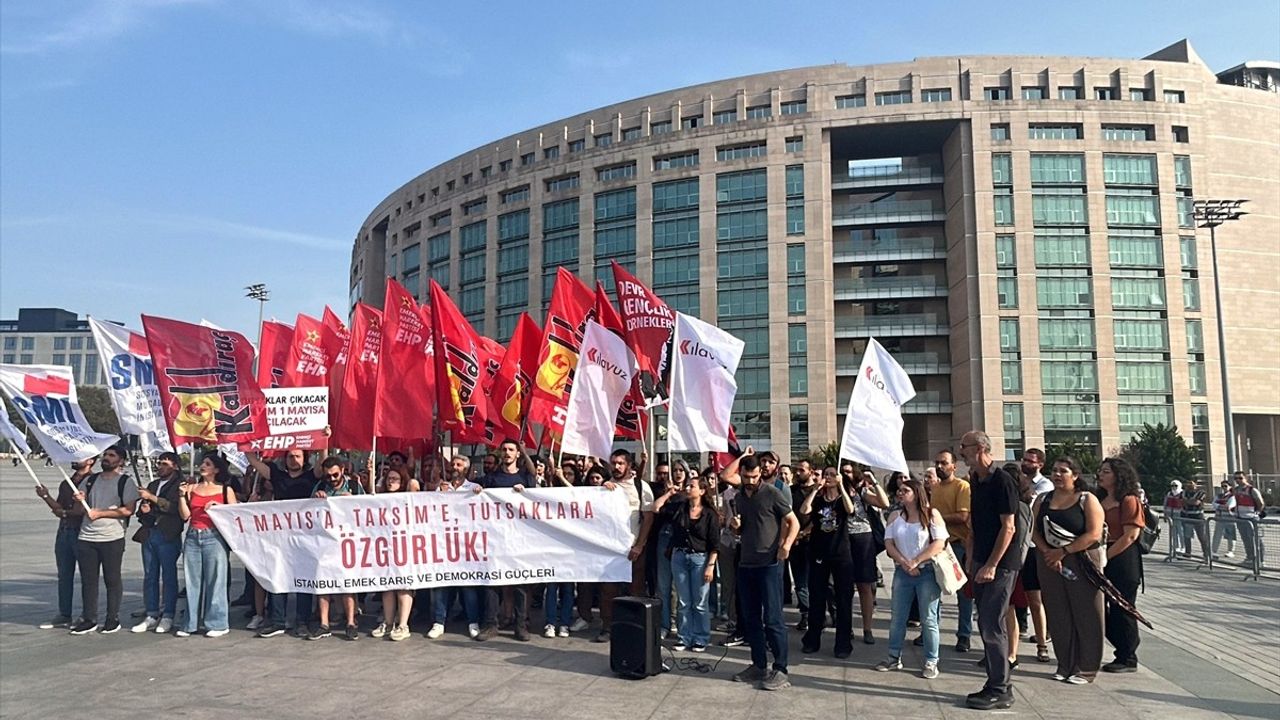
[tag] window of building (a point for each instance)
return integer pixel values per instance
(897, 97)
(1135, 249)
(513, 227)
(1034, 92)
(794, 107)
(1006, 289)
(1175, 96)
(503, 166)
(759, 112)
(9, 357)
(1128, 133)
(1059, 206)
(438, 247)
(526, 159)
(1195, 337)
(59, 343)
(25, 359)
(450, 185)
(690, 123)
(723, 117)
(551, 153)
(631, 133)
(798, 359)
(475, 207)
(1001, 169)
(485, 172)
(1190, 294)
(1139, 94)
(935, 95)
(472, 237)
(675, 195)
(1064, 292)
(440, 220)
(1129, 169)
(1141, 335)
(998, 92)
(1003, 203)
(679, 160)
(577, 146)
(850, 101)
(737, 187)
(1180, 134)
(1009, 341)
(999, 132)
(59, 358)
(11, 343)
(661, 127)
(1104, 93)
(741, 151)
(1187, 249)
(1070, 92)
(795, 144)
(616, 172)
(1055, 131)
(1066, 334)
(1132, 207)
(514, 195)
(1061, 373)
(1011, 377)
(564, 182)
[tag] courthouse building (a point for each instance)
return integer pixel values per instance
(1017, 231)
(52, 336)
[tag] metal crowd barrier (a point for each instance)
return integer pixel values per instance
(1221, 541)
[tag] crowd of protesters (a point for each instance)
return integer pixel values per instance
(727, 550)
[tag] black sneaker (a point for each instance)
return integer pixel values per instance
(84, 627)
(522, 633)
(734, 641)
(110, 626)
(803, 625)
(603, 637)
(61, 621)
(962, 645)
(488, 632)
(988, 699)
(1118, 666)
(321, 632)
(270, 630)
(352, 633)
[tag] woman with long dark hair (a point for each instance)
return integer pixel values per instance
(868, 498)
(396, 604)
(695, 544)
(1067, 531)
(206, 557)
(914, 535)
(825, 512)
(1122, 508)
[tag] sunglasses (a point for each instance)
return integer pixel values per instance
(334, 476)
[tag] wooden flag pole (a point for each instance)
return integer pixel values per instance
(373, 479)
(67, 478)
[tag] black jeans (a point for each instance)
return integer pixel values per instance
(992, 599)
(822, 573)
(1125, 572)
(107, 556)
(760, 590)
(519, 605)
(798, 562)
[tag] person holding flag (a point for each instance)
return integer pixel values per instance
(161, 538)
(109, 496)
(69, 514)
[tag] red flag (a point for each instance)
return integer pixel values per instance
(311, 353)
(273, 356)
(45, 385)
(571, 307)
(205, 377)
(353, 426)
(509, 390)
(338, 368)
(458, 392)
(721, 460)
(406, 377)
(631, 419)
(491, 354)
(649, 322)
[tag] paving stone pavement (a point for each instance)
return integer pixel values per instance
(1214, 655)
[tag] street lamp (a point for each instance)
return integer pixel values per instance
(1210, 214)
(259, 292)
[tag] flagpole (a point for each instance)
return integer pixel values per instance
(373, 480)
(66, 478)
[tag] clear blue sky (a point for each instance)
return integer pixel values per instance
(158, 155)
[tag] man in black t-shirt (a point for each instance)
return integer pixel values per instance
(994, 553)
(514, 471)
(294, 481)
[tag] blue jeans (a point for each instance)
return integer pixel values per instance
(160, 565)
(664, 576)
(965, 604)
(908, 589)
(760, 591)
(206, 562)
(695, 614)
(559, 604)
(64, 554)
(442, 600)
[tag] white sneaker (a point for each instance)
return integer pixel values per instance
(148, 623)
(182, 634)
(564, 631)
(436, 631)
(1230, 554)
(549, 631)
(216, 633)
(255, 623)
(473, 630)
(166, 624)
(579, 625)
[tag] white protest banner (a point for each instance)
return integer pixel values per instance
(296, 419)
(603, 378)
(131, 384)
(8, 431)
(45, 396)
(873, 421)
(702, 386)
(431, 539)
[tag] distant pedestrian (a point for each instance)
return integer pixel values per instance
(1122, 508)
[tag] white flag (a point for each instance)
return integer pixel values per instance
(131, 383)
(873, 422)
(702, 386)
(605, 369)
(232, 453)
(45, 396)
(15, 436)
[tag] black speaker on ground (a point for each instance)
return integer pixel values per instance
(633, 638)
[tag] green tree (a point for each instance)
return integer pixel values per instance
(825, 456)
(96, 404)
(1161, 455)
(1083, 454)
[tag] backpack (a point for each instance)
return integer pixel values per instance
(1150, 531)
(88, 488)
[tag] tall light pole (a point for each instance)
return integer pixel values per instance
(1210, 214)
(259, 292)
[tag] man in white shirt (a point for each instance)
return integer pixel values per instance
(640, 498)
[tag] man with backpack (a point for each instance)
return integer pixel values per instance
(111, 496)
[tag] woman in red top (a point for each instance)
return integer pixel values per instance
(206, 557)
(1122, 509)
